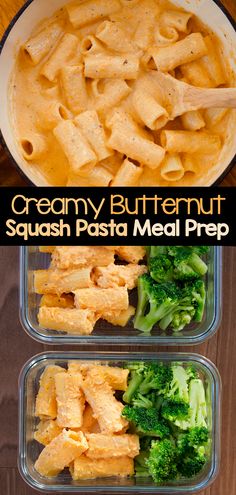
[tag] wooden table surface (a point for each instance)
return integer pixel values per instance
(8, 173)
(17, 348)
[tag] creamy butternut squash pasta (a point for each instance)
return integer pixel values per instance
(81, 426)
(88, 110)
(84, 284)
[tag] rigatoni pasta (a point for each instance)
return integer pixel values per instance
(196, 73)
(84, 468)
(103, 66)
(115, 377)
(114, 37)
(171, 23)
(46, 431)
(187, 50)
(70, 320)
(128, 174)
(212, 62)
(60, 281)
(90, 424)
(114, 91)
(131, 254)
(85, 284)
(190, 142)
(37, 47)
(74, 88)
(144, 33)
(94, 442)
(213, 116)
(172, 168)
(65, 257)
(121, 318)
(107, 446)
(91, 11)
(66, 49)
(70, 400)
(98, 299)
(46, 405)
(33, 146)
(75, 146)
(54, 301)
(151, 113)
(178, 20)
(189, 164)
(193, 121)
(119, 275)
(51, 114)
(60, 452)
(131, 143)
(106, 407)
(93, 130)
(90, 45)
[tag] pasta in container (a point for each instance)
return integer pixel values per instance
(100, 454)
(86, 294)
(85, 284)
(93, 59)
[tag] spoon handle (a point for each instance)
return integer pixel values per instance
(210, 98)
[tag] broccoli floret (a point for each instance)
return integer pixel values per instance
(146, 421)
(156, 377)
(188, 264)
(182, 318)
(161, 268)
(140, 400)
(173, 410)
(179, 385)
(168, 303)
(179, 319)
(191, 371)
(134, 382)
(162, 461)
(197, 292)
(182, 263)
(190, 466)
(198, 406)
(197, 436)
(197, 402)
(146, 378)
(168, 403)
(155, 301)
(194, 440)
(154, 251)
(192, 451)
(191, 307)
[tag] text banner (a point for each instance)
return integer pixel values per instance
(117, 216)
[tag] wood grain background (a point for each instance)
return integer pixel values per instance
(17, 348)
(9, 176)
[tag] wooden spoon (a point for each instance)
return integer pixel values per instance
(178, 97)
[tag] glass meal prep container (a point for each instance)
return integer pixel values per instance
(31, 259)
(29, 449)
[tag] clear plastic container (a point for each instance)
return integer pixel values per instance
(29, 449)
(105, 333)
